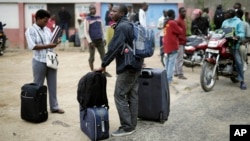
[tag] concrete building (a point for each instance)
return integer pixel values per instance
(19, 14)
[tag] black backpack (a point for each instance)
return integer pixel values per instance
(91, 90)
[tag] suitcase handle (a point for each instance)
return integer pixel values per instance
(146, 73)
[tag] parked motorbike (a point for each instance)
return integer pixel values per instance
(3, 39)
(218, 59)
(194, 50)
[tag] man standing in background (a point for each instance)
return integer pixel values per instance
(160, 26)
(178, 72)
(142, 15)
(109, 24)
(95, 36)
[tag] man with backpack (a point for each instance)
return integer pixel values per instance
(126, 95)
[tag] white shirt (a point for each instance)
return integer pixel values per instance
(37, 36)
(160, 25)
(142, 18)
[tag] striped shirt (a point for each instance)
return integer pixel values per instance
(37, 36)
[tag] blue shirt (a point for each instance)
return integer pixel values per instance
(238, 25)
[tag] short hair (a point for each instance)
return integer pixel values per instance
(170, 13)
(144, 4)
(41, 13)
(123, 9)
(238, 4)
(91, 6)
(205, 10)
(231, 12)
(180, 9)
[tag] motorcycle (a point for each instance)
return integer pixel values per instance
(3, 39)
(218, 59)
(194, 50)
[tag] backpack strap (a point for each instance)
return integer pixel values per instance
(104, 90)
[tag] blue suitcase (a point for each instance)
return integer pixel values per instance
(95, 122)
(153, 95)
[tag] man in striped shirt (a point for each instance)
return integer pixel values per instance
(38, 38)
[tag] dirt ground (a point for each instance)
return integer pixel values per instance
(15, 70)
(207, 114)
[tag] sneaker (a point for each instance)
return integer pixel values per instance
(243, 86)
(107, 74)
(121, 132)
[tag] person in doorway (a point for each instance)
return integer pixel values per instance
(95, 37)
(38, 38)
(64, 20)
(178, 71)
(126, 87)
(171, 43)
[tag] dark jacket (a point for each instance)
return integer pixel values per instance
(200, 23)
(123, 34)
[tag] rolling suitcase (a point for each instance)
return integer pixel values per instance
(34, 103)
(95, 122)
(153, 95)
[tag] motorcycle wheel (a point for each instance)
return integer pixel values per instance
(207, 79)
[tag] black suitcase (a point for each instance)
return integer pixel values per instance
(34, 103)
(94, 122)
(153, 95)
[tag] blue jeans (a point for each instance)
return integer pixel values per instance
(170, 64)
(126, 99)
(238, 64)
(65, 26)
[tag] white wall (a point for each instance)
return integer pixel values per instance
(9, 15)
(31, 9)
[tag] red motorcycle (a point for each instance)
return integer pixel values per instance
(194, 50)
(218, 59)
